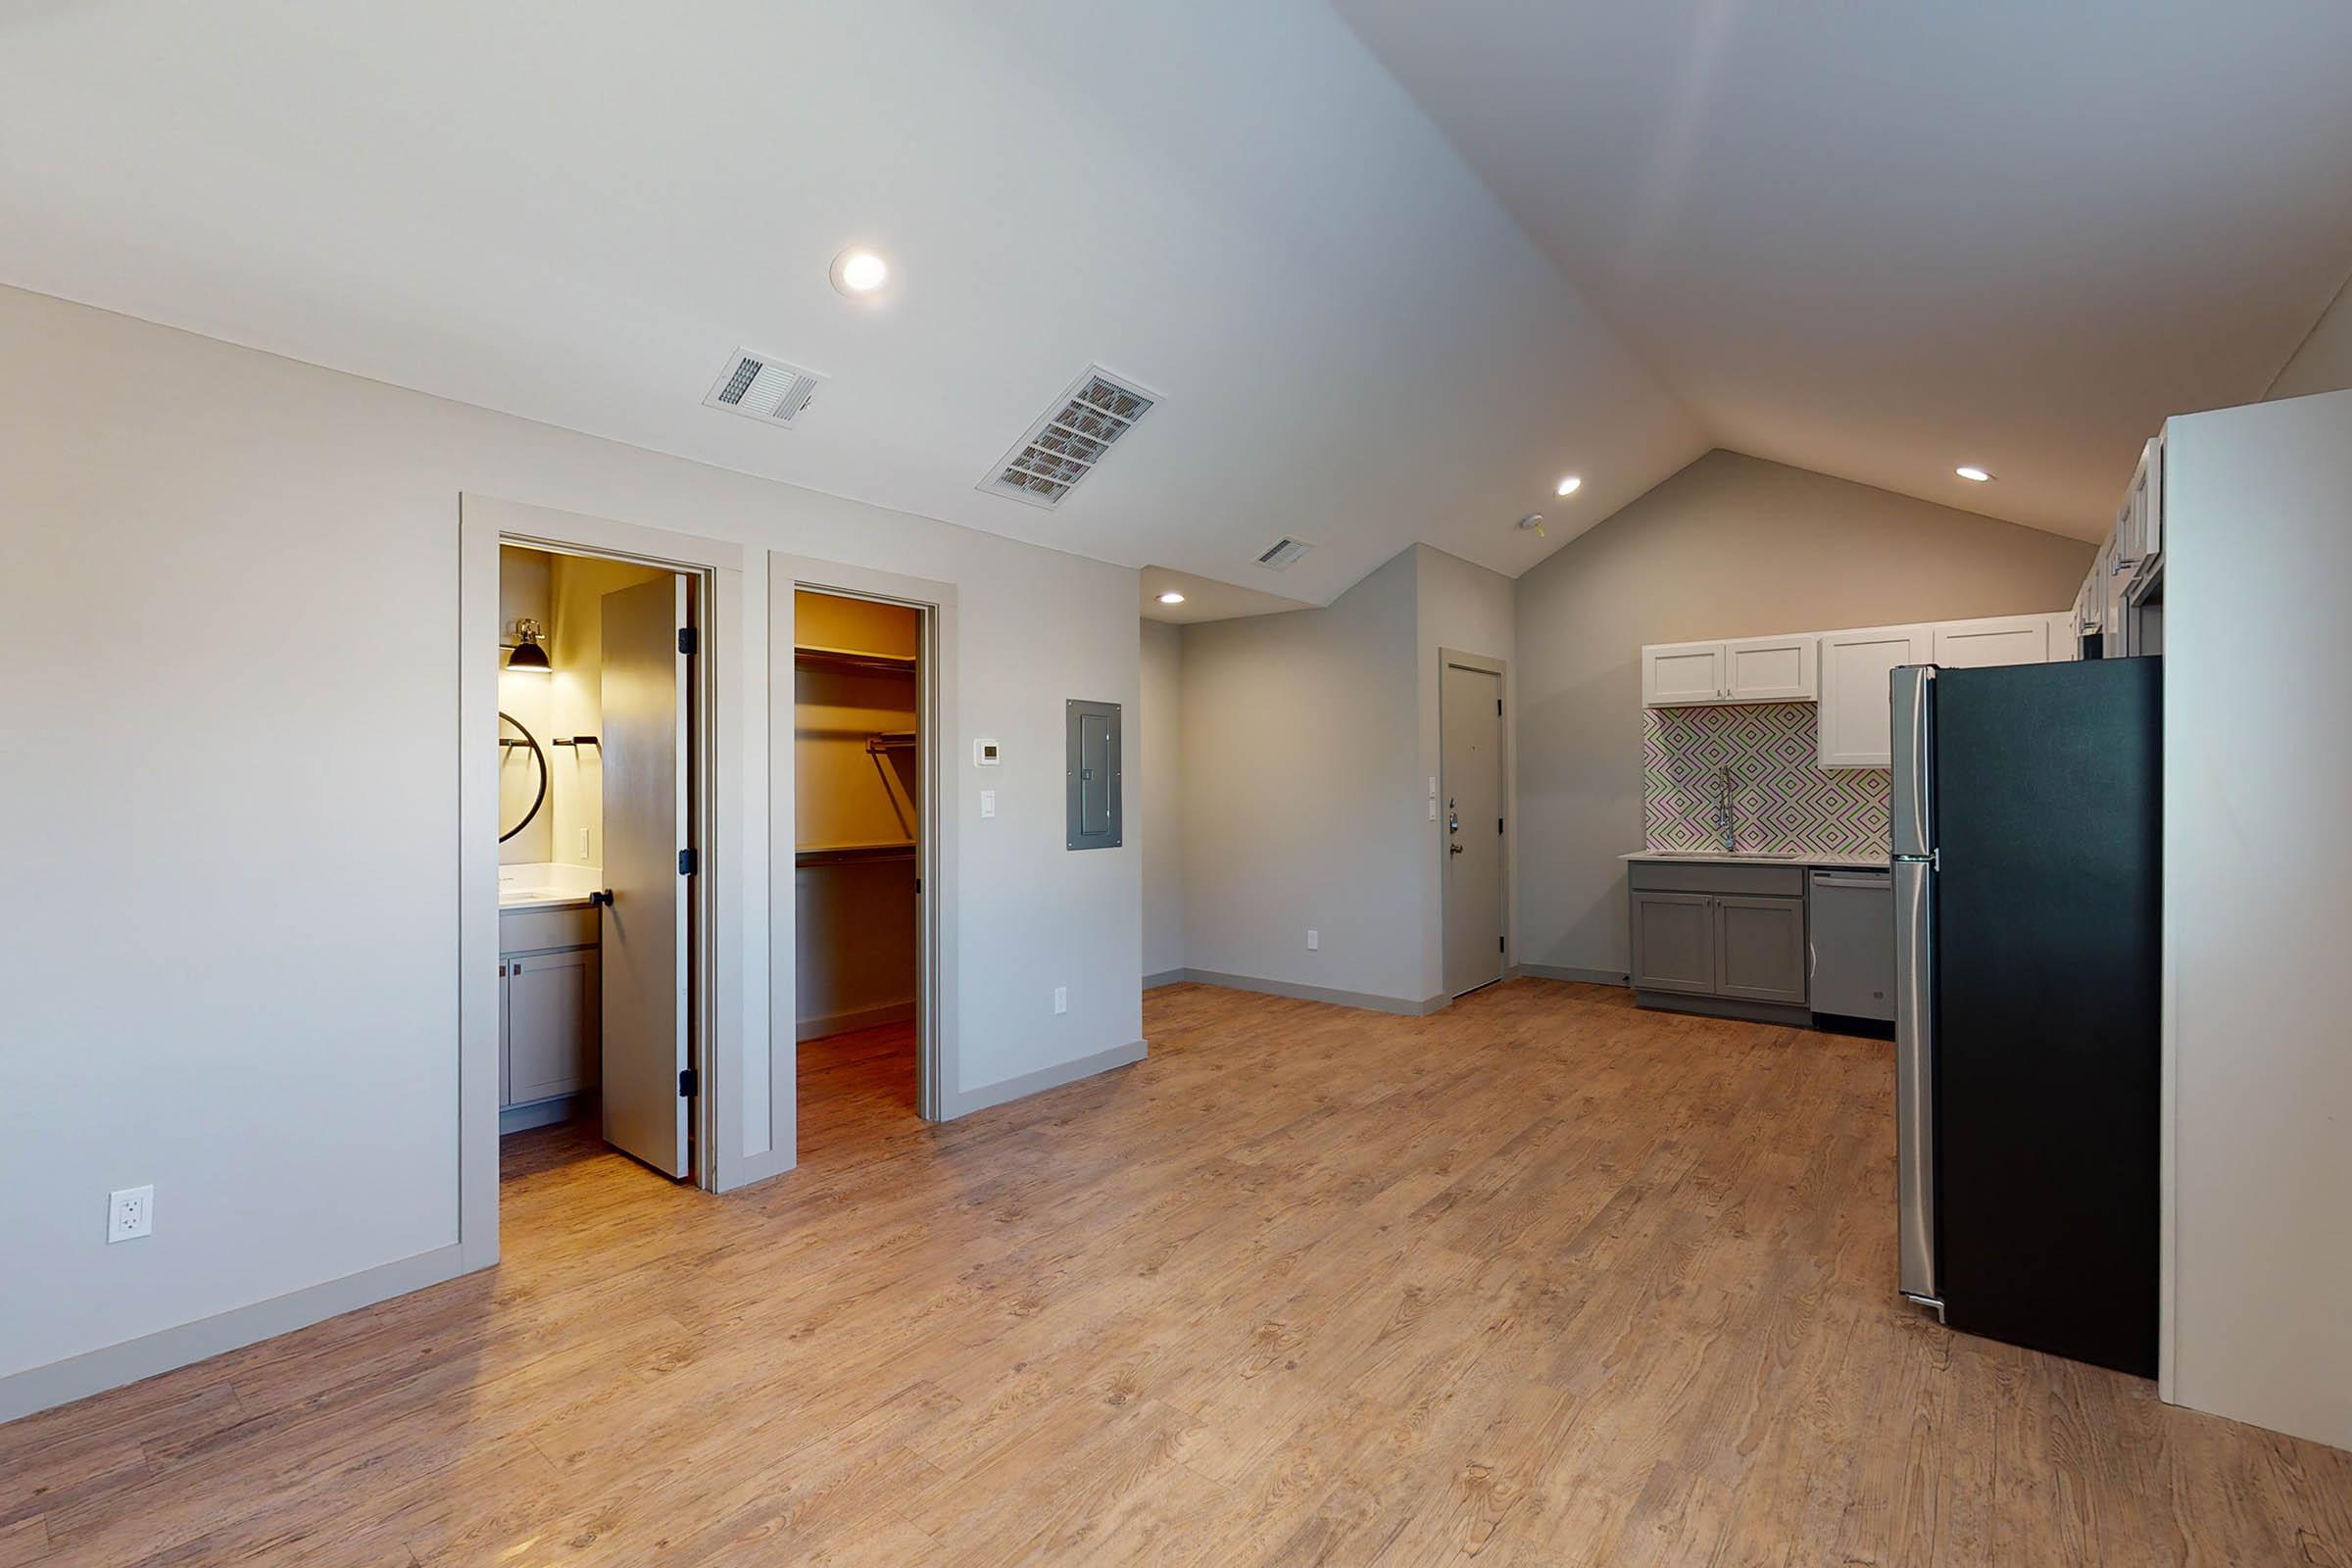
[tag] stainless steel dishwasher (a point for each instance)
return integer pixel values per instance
(1853, 943)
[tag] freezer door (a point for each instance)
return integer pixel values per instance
(2047, 963)
(1915, 1079)
(1913, 751)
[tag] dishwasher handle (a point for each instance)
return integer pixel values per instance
(1870, 881)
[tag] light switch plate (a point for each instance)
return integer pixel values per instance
(1061, 999)
(988, 803)
(1314, 940)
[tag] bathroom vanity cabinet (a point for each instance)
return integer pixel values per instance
(550, 1010)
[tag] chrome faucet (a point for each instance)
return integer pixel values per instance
(1725, 822)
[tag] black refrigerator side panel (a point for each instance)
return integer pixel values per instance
(2048, 793)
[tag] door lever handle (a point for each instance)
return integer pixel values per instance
(1453, 849)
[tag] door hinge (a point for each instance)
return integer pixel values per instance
(1503, 945)
(689, 642)
(1498, 708)
(690, 1084)
(1498, 824)
(689, 861)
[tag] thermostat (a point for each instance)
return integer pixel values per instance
(984, 754)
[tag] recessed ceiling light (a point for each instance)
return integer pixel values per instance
(1968, 470)
(1569, 485)
(1171, 597)
(857, 272)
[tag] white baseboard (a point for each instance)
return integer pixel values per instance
(1166, 977)
(965, 1102)
(1371, 1002)
(76, 1377)
(842, 1023)
(1594, 977)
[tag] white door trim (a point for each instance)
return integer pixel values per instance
(938, 1077)
(735, 1146)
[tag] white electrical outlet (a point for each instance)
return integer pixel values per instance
(988, 803)
(130, 1214)
(1314, 939)
(1433, 808)
(583, 843)
(1061, 999)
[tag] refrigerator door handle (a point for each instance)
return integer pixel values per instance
(1915, 1081)
(1912, 699)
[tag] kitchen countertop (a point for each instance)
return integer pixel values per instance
(512, 900)
(1708, 858)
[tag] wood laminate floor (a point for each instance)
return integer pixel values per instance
(1542, 1278)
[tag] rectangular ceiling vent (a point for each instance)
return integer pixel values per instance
(1283, 553)
(761, 386)
(1064, 447)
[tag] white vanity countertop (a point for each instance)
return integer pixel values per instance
(547, 885)
(1707, 858)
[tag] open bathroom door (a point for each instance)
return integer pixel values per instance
(645, 965)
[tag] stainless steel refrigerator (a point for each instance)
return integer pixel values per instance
(2027, 879)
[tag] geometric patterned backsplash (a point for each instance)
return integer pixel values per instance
(1783, 798)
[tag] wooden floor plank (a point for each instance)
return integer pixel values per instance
(1539, 1279)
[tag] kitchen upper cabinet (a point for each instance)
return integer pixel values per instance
(1982, 644)
(1751, 669)
(1678, 674)
(1857, 669)
(1769, 669)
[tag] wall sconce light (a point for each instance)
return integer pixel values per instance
(527, 653)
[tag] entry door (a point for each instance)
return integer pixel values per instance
(646, 965)
(1470, 731)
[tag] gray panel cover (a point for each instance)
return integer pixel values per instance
(1091, 774)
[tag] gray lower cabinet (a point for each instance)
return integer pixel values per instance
(1734, 934)
(1674, 942)
(549, 1024)
(1760, 949)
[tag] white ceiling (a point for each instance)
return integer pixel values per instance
(1206, 597)
(1880, 241)
(577, 212)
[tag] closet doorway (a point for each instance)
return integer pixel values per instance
(861, 798)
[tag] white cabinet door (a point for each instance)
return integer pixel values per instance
(1982, 644)
(551, 1024)
(2064, 649)
(1678, 674)
(1769, 669)
(1856, 671)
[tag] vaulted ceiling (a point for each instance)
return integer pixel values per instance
(1883, 240)
(1865, 239)
(577, 210)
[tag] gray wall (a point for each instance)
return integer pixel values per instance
(232, 819)
(1301, 803)
(2257, 906)
(1161, 822)
(1731, 546)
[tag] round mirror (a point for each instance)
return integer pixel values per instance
(521, 775)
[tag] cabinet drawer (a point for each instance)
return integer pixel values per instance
(1706, 876)
(529, 930)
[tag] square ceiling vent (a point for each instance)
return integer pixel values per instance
(761, 386)
(1064, 446)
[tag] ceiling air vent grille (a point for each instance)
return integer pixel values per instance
(761, 386)
(1064, 446)
(1283, 553)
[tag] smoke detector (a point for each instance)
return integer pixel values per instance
(763, 388)
(1282, 553)
(1064, 448)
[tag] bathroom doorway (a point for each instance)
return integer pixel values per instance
(860, 798)
(601, 910)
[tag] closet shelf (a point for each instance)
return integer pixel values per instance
(901, 740)
(852, 658)
(846, 854)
